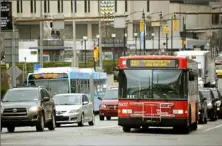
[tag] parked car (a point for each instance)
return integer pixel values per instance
(28, 106)
(73, 108)
(217, 100)
(109, 105)
(211, 106)
(202, 109)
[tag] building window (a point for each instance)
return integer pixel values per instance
(85, 5)
(19, 6)
(148, 5)
(126, 5)
(33, 6)
(98, 5)
(75, 7)
(46, 6)
(115, 5)
(88, 5)
(60, 6)
(215, 19)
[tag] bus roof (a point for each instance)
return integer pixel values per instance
(73, 72)
(195, 53)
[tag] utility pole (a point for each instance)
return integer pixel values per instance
(100, 41)
(172, 20)
(74, 60)
(41, 37)
(124, 41)
(161, 16)
(184, 34)
(13, 81)
(144, 37)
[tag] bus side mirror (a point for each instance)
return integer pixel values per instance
(191, 76)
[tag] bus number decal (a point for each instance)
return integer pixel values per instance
(123, 103)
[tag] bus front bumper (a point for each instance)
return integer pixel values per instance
(135, 122)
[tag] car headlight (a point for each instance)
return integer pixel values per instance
(74, 111)
(103, 106)
(209, 104)
(35, 108)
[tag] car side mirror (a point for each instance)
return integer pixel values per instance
(191, 76)
(85, 103)
(100, 98)
(204, 98)
(45, 99)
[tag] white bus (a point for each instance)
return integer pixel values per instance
(71, 80)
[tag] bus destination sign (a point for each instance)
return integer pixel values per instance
(169, 63)
(49, 76)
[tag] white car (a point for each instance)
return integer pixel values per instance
(73, 108)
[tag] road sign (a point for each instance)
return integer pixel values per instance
(6, 15)
(37, 67)
(17, 72)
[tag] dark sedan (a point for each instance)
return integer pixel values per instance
(211, 106)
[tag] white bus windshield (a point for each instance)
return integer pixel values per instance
(54, 85)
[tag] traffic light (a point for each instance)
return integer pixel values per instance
(96, 53)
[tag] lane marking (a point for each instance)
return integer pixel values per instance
(106, 127)
(212, 128)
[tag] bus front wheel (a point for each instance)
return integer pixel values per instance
(126, 129)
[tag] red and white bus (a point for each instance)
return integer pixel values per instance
(157, 91)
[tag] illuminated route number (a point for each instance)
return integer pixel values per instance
(153, 63)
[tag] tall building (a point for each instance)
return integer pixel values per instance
(89, 27)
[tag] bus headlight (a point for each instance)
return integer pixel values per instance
(127, 111)
(178, 111)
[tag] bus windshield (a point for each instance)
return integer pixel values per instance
(152, 84)
(54, 86)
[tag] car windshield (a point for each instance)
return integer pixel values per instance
(205, 94)
(218, 67)
(21, 95)
(68, 99)
(111, 94)
(155, 84)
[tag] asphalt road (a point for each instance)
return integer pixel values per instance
(109, 133)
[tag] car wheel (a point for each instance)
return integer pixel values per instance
(108, 118)
(101, 118)
(51, 125)
(201, 120)
(126, 129)
(41, 124)
(81, 121)
(91, 123)
(194, 126)
(205, 120)
(11, 129)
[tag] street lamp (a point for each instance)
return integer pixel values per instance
(97, 36)
(85, 38)
(135, 35)
(124, 43)
(113, 36)
(153, 41)
(166, 31)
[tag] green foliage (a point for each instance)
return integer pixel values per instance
(108, 65)
(3, 90)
